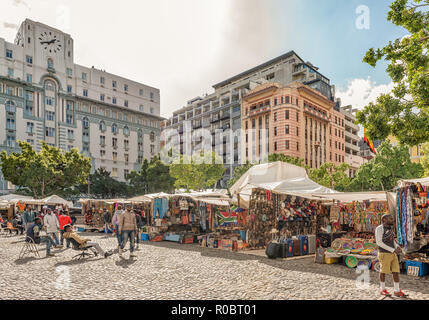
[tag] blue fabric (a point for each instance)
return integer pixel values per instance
(49, 243)
(398, 218)
(404, 217)
(160, 208)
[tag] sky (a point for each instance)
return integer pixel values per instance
(183, 47)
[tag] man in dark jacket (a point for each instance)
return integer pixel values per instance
(33, 232)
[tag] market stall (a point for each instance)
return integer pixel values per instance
(93, 212)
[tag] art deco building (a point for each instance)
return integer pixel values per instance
(45, 96)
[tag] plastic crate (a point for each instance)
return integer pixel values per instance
(80, 229)
(303, 245)
(145, 237)
(416, 268)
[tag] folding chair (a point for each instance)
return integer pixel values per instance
(29, 247)
(11, 229)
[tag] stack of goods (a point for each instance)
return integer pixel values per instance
(412, 216)
(230, 242)
(356, 251)
(421, 257)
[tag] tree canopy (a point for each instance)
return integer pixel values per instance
(46, 173)
(197, 172)
(331, 176)
(391, 164)
(404, 112)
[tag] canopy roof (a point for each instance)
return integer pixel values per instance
(422, 181)
(142, 198)
(279, 177)
(15, 197)
(108, 201)
(52, 200)
(353, 196)
(4, 204)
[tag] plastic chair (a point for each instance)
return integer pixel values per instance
(29, 247)
(83, 251)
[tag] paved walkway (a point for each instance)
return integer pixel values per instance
(172, 271)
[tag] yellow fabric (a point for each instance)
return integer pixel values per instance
(388, 262)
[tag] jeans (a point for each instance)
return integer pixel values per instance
(128, 234)
(49, 243)
(106, 228)
(62, 239)
(54, 235)
(118, 235)
(95, 246)
(138, 236)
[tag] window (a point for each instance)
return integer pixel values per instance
(102, 126)
(115, 172)
(49, 101)
(10, 72)
(69, 89)
(10, 106)
(50, 132)
(126, 131)
(125, 87)
(102, 97)
(253, 123)
(275, 146)
(275, 131)
(152, 149)
(10, 124)
(85, 137)
(9, 54)
(297, 117)
(50, 116)
(10, 141)
(85, 122)
(114, 84)
(115, 156)
(141, 108)
(69, 119)
(126, 144)
(275, 101)
(152, 136)
(297, 131)
(102, 154)
(102, 141)
(70, 134)
(114, 142)
(30, 141)
(114, 100)
(29, 59)
(127, 158)
(51, 64)
(151, 96)
(84, 76)
(141, 92)
(151, 110)
(140, 133)
(69, 72)
(287, 129)
(126, 173)
(126, 103)
(85, 148)
(287, 115)
(114, 129)
(29, 78)
(69, 105)
(275, 116)
(85, 92)
(297, 146)
(140, 159)
(287, 144)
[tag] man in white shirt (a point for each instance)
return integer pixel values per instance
(388, 251)
(52, 225)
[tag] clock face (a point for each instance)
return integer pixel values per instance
(50, 42)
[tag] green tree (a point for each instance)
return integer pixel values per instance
(238, 173)
(331, 176)
(103, 186)
(197, 172)
(137, 180)
(49, 172)
(158, 176)
(382, 173)
(284, 158)
(425, 159)
(403, 113)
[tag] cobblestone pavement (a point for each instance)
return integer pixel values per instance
(172, 271)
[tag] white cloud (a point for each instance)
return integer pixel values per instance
(360, 92)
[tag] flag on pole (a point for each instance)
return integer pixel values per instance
(368, 141)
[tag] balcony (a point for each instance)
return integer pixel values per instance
(225, 116)
(352, 147)
(315, 113)
(351, 125)
(215, 119)
(259, 110)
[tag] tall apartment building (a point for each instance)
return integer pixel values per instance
(221, 110)
(353, 157)
(293, 120)
(45, 96)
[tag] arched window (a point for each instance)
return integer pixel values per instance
(10, 106)
(85, 122)
(50, 63)
(114, 128)
(102, 126)
(50, 85)
(152, 136)
(140, 133)
(126, 131)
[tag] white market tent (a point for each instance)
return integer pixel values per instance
(422, 181)
(15, 198)
(279, 177)
(157, 195)
(142, 198)
(4, 204)
(52, 200)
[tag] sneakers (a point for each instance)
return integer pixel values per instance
(400, 294)
(385, 292)
(107, 254)
(120, 252)
(59, 247)
(132, 255)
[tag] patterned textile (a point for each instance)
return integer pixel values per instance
(398, 218)
(225, 218)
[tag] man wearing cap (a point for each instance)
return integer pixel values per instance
(52, 226)
(33, 233)
(388, 251)
(83, 242)
(128, 229)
